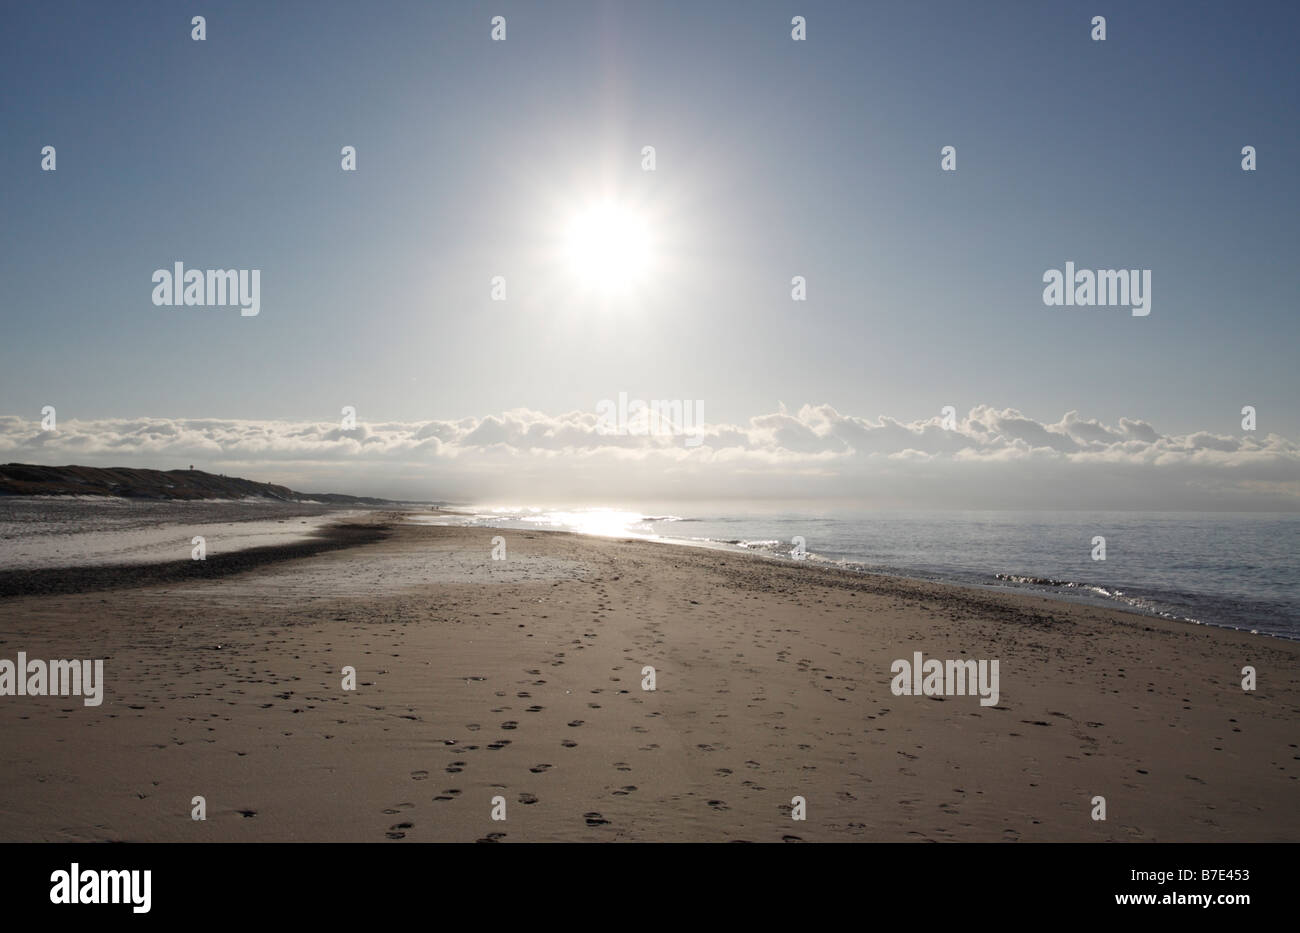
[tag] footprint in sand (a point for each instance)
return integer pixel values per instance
(510, 724)
(492, 837)
(568, 743)
(576, 723)
(419, 775)
(538, 769)
(499, 744)
(527, 798)
(456, 767)
(595, 819)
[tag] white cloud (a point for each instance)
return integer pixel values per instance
(993, 458)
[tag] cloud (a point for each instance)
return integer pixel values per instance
(991, 458)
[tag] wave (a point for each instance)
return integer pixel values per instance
(1048, 581)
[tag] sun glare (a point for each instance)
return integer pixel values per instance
(608, 247)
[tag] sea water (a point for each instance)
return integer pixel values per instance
(1238, 570)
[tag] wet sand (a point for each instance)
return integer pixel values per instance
(519, 681)
(38, 533)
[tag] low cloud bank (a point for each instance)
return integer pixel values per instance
(991, 458)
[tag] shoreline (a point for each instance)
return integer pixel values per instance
(845, 566)
(359, 527)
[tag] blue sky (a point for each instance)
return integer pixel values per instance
(775, 158)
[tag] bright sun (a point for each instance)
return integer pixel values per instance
(608, 247)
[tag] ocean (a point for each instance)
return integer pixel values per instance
(1237, 570)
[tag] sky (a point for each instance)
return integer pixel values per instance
(774, 158)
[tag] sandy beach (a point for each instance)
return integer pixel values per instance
(522, 679)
